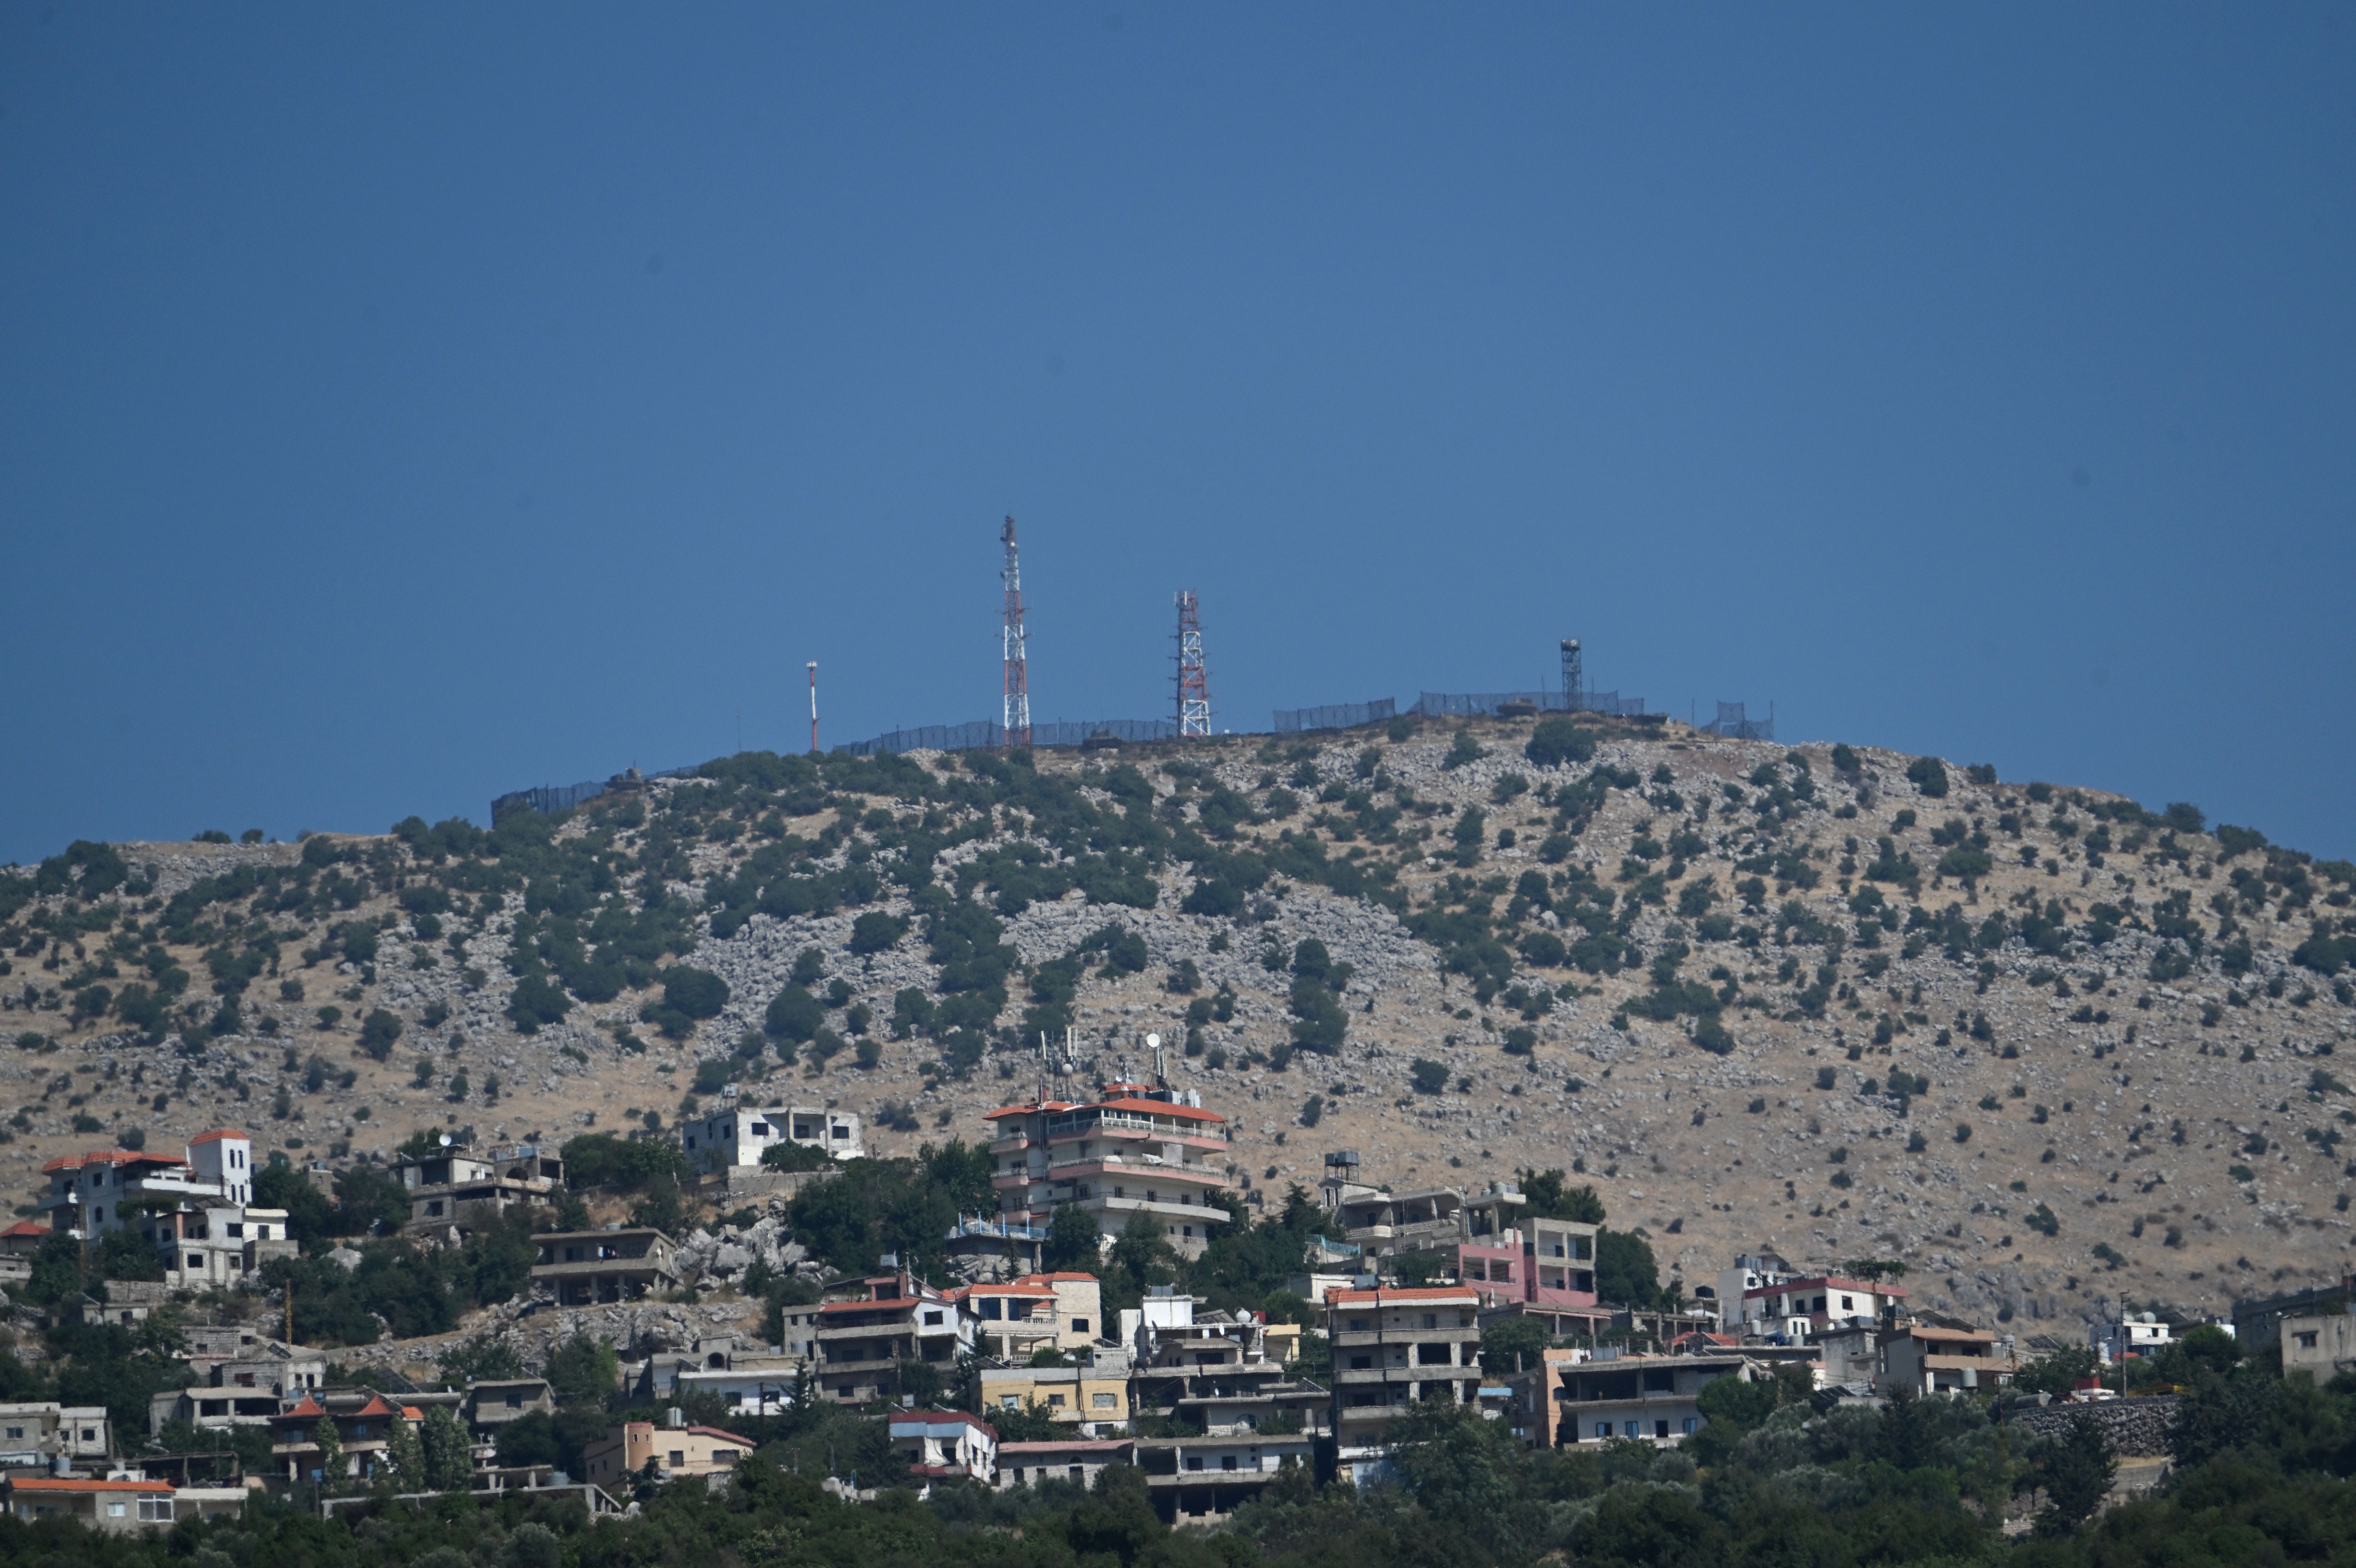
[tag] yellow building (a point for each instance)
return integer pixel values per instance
(1090, 1400)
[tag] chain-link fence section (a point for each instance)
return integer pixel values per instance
(987, 733)
(551, 798)
(1334, 716)
(1490, 704)
(1732, 723)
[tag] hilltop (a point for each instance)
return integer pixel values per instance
(2055, 1051)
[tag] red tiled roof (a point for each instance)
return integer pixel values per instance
(1382, 1296)
(218, 1134)
(71, 1484)
(26, 1228)
(716, 1431)
(110, 1156)
(1026, 1109)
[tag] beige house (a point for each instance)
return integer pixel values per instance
(673, 1451)
(33, 1436)
(116, 1508)
(2320, 1347)
(1011, 1320)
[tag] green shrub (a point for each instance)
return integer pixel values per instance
(378, 1031)
(697, 993)
(1930, 776)
(1555, 741)
(1429, 1077)
(876, 931)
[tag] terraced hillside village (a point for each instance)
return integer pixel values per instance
(2054, 1051)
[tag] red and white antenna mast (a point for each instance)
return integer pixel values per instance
(1018, 670)
(813, 677)
(1194, 680)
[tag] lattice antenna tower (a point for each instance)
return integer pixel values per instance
(1017, 683)
(1194, 680)
(1574, 675)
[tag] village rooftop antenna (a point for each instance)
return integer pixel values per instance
(1016, 687)
(1194, 680)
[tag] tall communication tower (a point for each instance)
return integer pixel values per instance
(1194, 680)
(1573, 675)
(1018, 670)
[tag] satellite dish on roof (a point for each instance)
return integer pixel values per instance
(445, 1141)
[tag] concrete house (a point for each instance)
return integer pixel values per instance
(873, 1325)
(587, 1267)
(1655, 1398)
(1392, 1348)
(737, 1136)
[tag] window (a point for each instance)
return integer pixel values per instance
(1431, 1319)
(1194, 1461)
(2307, 1342)
(1227, 1461)
(1660, 1429)
(1603, 1429)
(1103, 1401)
(1079, 1325)
(1054, 1401)
(932, 1319)
(1848, 1304)
(1691, 1425)
(196, 1261)
(114, 1510)
(677, 1459)
(1008, 1401)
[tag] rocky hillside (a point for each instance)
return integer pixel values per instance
(2051, 1049)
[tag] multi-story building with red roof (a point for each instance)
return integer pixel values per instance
(363, 1421)
(1136, 1150)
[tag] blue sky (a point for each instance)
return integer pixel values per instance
(403, 405)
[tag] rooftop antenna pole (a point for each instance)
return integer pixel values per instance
(813, 680)
(1017, 683)
(1194, 680)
